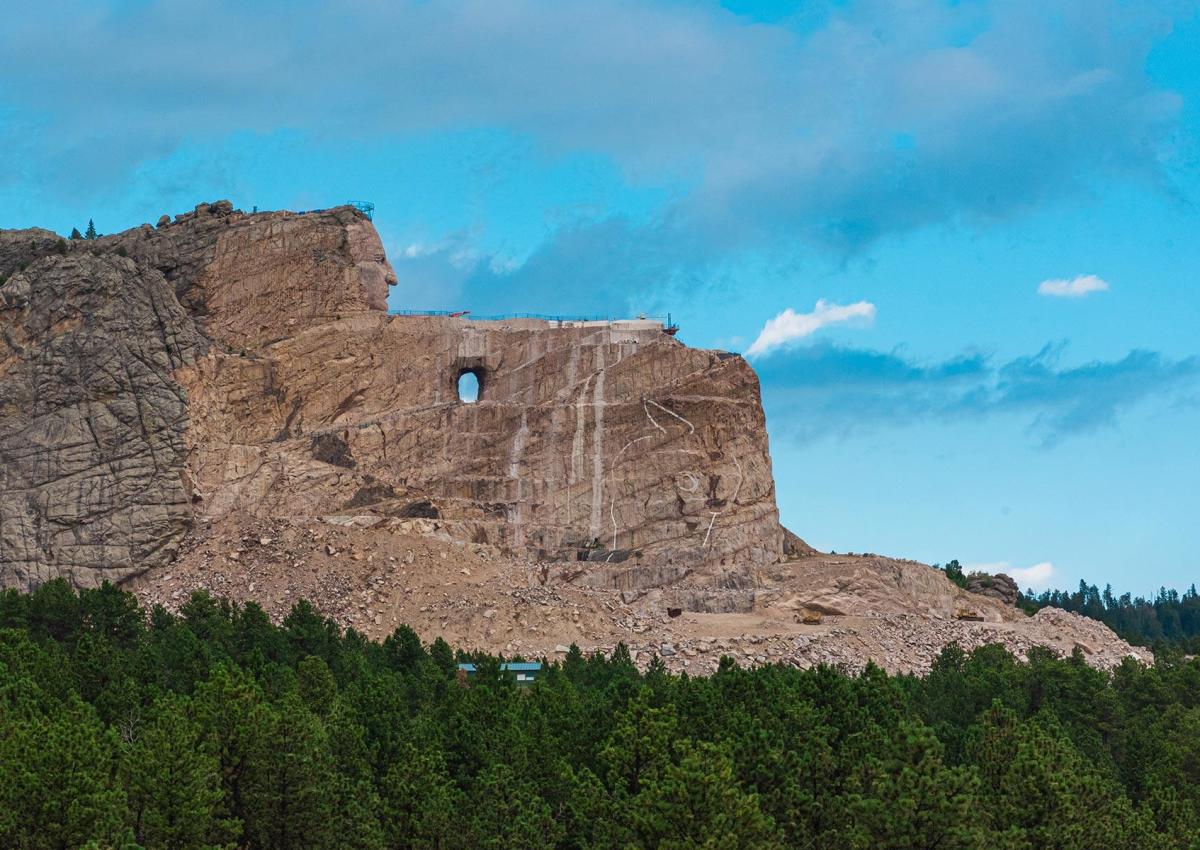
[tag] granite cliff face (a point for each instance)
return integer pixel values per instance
(92, 422)
(226, 365)
(222, 403)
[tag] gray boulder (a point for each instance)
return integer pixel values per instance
(999, 587)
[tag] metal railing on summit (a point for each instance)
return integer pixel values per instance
(544, 317)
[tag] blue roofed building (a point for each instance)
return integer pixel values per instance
(524, 673)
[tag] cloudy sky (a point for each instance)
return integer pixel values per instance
(958, 240)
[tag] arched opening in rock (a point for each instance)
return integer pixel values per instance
(470, 385)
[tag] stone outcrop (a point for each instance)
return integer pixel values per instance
(999, 587)
(844, 585)
(20, 248)
(610, 443)
(794, 547)
(224, 364)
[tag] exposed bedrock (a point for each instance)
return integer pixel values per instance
(230, 364)
(92, 453)
(599, 444)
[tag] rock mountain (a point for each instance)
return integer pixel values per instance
(223, 401)
(225, 363)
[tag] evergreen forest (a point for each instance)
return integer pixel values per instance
(1170, 619)
(214, 728)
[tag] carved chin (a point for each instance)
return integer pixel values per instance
(375, 284)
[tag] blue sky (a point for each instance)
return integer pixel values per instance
(958, 240)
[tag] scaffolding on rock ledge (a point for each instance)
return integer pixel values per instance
(668, 325)
(365, 207)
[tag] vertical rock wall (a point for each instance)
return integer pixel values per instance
(227, 363)
(92, 455)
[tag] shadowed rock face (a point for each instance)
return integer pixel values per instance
(92, 454)
(20, 248)
(229, 364)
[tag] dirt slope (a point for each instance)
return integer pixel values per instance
(376, 573)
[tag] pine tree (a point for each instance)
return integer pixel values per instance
(116, 728)
(1035, 783)
(403, 648)
(113, 613)
(442, 655)
(75, 234)
(696, 803)
(56, 782)
(54, 612)
(230, 708)
(291, 783)
(587, 812)
(172, 779)
(317, 687)
(419, 805)
(509, 814)
(639, 747)
(909, 798)
(91, 230)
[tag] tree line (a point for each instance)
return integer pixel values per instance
(214, 728)
(90, 233)
(1170, 619)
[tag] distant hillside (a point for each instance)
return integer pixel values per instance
(1170, 618)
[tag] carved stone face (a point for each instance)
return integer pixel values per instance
(375, 271)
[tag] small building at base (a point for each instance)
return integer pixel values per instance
(524, 673)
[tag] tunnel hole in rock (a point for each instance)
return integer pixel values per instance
(470, 385)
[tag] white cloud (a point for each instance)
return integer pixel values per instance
(790, 326)
(780, 131)
(1076, 287)
(1037, 576)
(458, 252)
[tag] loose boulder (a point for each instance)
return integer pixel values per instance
(999, 587)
